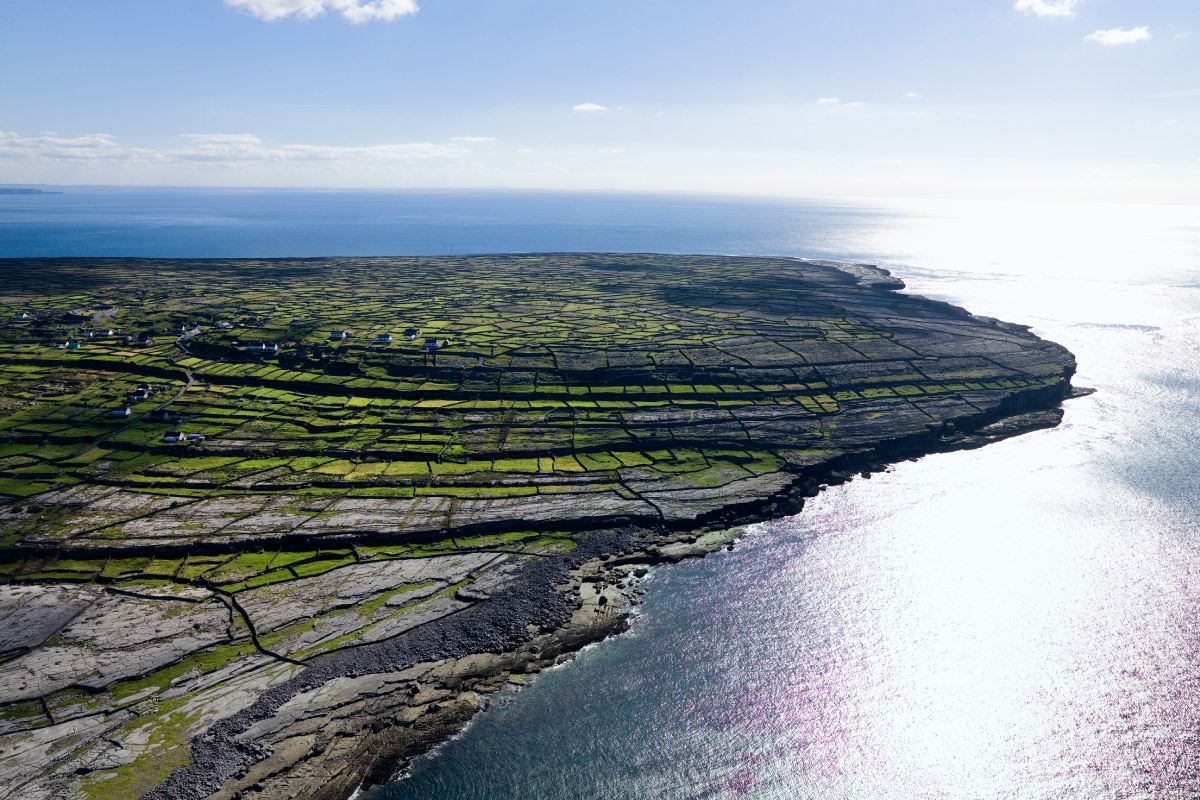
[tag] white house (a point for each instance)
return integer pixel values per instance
(383, 338)
(121, 412)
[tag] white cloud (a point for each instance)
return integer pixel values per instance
(218, 147)
(912, 96)
(1064, 9)
(229, 149)
(1119, 36)
(223, 138)
(312, 152)
(92, 147)
(474, 139)
(589, 107)
(828, 100)
(355, 11)
(1183, 35)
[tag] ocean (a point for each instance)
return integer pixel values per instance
(1020, 621)
(216, 223)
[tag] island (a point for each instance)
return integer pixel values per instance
(271, 528)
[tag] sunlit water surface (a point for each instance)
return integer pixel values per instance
(1014, 622)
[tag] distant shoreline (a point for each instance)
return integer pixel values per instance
(10, 190)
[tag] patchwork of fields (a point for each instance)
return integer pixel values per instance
(566, 386)
(372, 444)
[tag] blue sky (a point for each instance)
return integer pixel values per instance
(1095, 99)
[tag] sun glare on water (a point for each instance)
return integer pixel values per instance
(1012, 622)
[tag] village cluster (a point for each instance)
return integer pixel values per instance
(190, 340)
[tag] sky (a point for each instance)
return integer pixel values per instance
(1069, 99)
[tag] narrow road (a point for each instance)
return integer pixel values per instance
(191, 380)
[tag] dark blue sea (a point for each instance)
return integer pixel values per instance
(1020, 621)
(223, 223)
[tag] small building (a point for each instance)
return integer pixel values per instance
(105, 332)
(174, 436)
(383, 338)
(162, 415)
(73, 345)
(412, 333)
(138, 397)
(20, 315)
(121, 412)
(263, 347)
(337, 336)
(225, 326)
(432, 344)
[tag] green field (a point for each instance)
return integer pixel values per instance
(527, 375)
(333, 492)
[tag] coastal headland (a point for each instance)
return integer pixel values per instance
(271, 528)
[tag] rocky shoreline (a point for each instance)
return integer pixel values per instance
(355, 719)
(364, 540)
